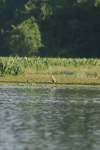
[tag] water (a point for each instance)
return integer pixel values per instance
(49, 118)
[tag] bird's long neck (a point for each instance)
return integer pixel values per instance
(51, 73)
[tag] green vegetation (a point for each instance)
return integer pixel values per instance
(10, 66)
(25, 38)
(50, 28)
(36, 71)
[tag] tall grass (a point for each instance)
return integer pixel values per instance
(17, 65)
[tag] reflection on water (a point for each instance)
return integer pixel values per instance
(49, 118)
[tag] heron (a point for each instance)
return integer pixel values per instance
(52, 77)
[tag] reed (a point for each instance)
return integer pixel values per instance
(35, 71)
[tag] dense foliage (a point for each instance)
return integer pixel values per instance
(11, 66)
(17, 65)
(52, 28)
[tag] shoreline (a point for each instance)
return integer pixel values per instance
(38, 80)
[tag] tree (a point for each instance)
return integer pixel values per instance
(25, 38)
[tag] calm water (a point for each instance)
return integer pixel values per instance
(49, 119)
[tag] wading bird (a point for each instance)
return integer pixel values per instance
(52, 77)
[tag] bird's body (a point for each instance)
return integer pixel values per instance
(52, 77)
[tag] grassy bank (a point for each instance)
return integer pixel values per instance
(81, 76)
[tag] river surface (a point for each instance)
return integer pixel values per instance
(49, 118)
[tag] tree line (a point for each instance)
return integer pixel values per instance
(50, 28)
